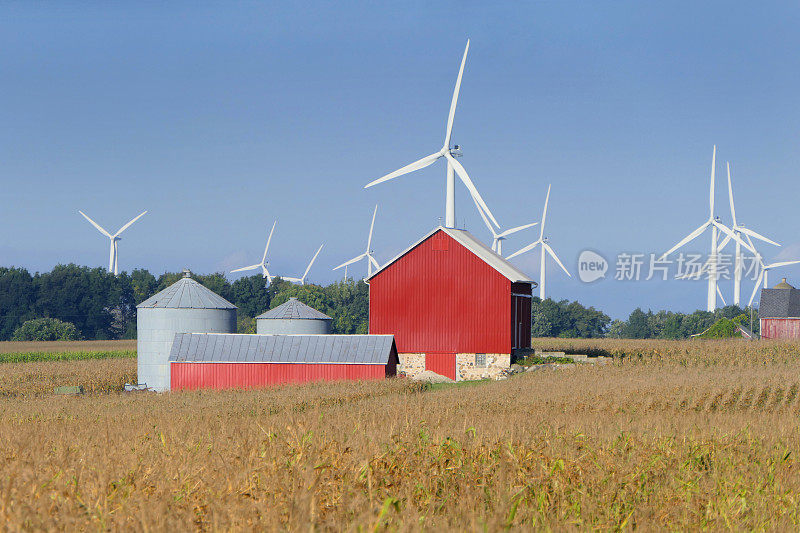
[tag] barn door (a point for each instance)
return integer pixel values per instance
(441, 363)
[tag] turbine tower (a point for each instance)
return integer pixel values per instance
(453, 166)
(545, 248)
(113, 256)
(498, 238)
(715, 225)
(367, 254)
(302, 280)
(263, 264)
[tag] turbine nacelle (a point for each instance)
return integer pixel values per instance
(455, 151)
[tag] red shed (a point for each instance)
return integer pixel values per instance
(453, 305)
(227, 361)
(779, 312)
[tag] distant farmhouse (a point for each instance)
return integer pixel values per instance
(779, 312)
(454, 306)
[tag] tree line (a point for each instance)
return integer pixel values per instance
(102, 306)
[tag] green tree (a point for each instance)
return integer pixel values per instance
(638, 326)
(46, 329)
(17, 299)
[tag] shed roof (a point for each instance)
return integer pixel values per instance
(779, 303)
(186, 293)
(234, 348)
(471, 243)
(293, 309)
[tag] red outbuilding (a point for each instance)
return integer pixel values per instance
(231, 361)
(453, 305)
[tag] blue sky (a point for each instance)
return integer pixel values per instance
(221, 117)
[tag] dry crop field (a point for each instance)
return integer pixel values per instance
(66, 346)
(680, 435)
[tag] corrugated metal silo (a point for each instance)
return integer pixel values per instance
(184, 307)
(293, 317)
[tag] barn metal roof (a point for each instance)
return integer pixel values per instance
(186, 293)
(293, 309)
(471, 243)
(779, 303)
(234, 348)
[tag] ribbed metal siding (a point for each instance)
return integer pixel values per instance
(440, 297)
(256, 375)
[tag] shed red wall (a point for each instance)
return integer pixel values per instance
(780, 328)
(440, 297)
(255, 375)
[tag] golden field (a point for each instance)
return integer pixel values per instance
(681, 435)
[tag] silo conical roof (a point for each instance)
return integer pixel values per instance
(783, 285)
(186, 293)
(294, 309)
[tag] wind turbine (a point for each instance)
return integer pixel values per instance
(738, 230)
(762, 276)
(545, 247)
(498, 238)
(263, 264)
(713, 223)
(453, 166)
(368, 254)
(113, 255)
(302, 280)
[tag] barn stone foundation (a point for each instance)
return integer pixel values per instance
(411, 364)
(469, 369)
(469, 366)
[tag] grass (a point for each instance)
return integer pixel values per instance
(30, 352)
(66, 346)
(671, 436)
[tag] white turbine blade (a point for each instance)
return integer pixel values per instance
(128, 225)
(312, 261)
(374, 262)
(508, 232)
(750, 242)
(96, 225)
(416, 165)
(371, 227)
(755, 289)
(781, 264)
(483, 216)
(719, 293)
(528, 248)
(251, 267)
(264, 259)
(724, 229)
(296, 280)
(265, 273)
(462, 173)
(544, 213)
(554, 256)
(353, 260)
(689, 238)
(748, 231)
(454, 101)
(724, 243)
(730, 194)
(711, 193)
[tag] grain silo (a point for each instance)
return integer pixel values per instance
(293, 317)
(184, 307)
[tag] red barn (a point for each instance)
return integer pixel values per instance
(779, 312)
(453, 305)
